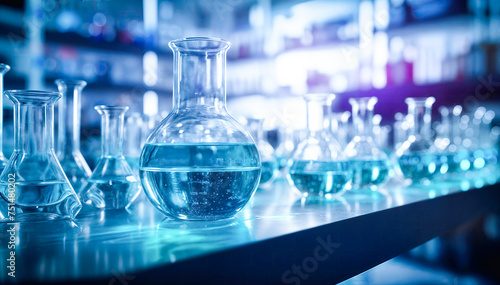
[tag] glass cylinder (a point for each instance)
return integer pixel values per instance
(319, 168)
(113, 184)
(33, 184)
(68, 143)
(369, 164)
(199, 163)
(417, 157)
(268, 160)
(4, 68)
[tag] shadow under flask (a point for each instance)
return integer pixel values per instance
(68, 142)
(418, 158)
(319, 168)
(33, 180)
(4, 68)
(112, 184)
(199, 163)
(369, 164)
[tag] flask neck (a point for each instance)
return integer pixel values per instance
(69, 120)
(420, 118)
(200, 79)
(112, 121)
(318, 116)
(33, 120)
(362, 116)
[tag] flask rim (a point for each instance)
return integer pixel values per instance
(4, 68)
(71, 82)
(111, 108)
(193, 44)
(18, 96)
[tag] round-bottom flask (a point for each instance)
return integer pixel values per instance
(113, 184)
(319, 168)
(199, 163)
(418, 158)
(369, 165)
(268, 160)
(33, 186)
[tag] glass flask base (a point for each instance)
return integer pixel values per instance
(200, 194)
(319, 180)
(420, 168)
(35, 202)
(368, 174)
(110, 194)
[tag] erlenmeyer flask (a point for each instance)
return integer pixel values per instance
(199, 163)
(268, 160)
(113, 184)
(319, 168)
(68, 141)
(418, 157)
(369, 165)
(4, 68)
(33, 180)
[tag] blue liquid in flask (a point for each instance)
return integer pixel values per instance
(315, 178)
(420, 167)
(369, 173)
(200, 181)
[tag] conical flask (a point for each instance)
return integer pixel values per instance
(68, 142)
(4, 68)
(268, 160)
(369, 164)
(418, 158)
(319, 168)
(33, 181)
(199, 163)
(113, 184)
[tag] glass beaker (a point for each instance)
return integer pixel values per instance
(68, 142)
(4, 68)
(319, 168)
(417, 157)
(199, 163)
(369, 164)
(268, 160)
(33, 184)
(113, 184)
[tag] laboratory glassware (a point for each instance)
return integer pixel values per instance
(268, 160)
(4, 68)
(417, 158)
(319, 168)
(112, 184)
(285, 149)
(33, 184)
(199, 163)
(68, 143)
(369, 164)
(449, 143)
